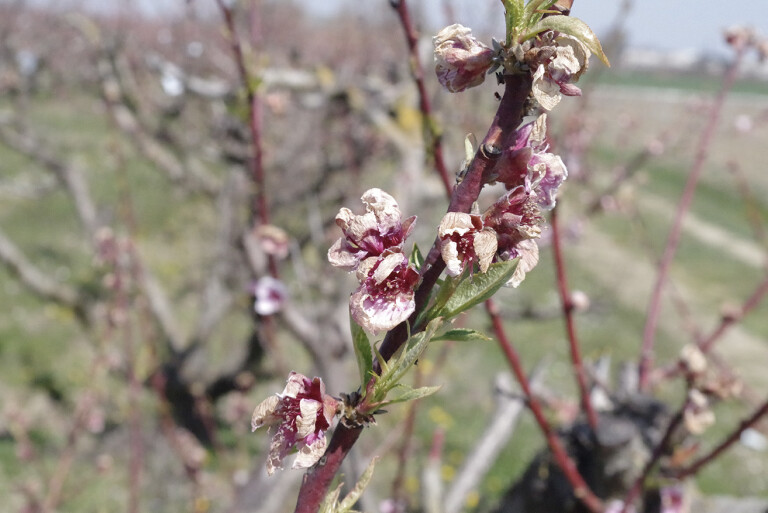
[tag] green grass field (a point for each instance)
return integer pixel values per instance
(44, 358)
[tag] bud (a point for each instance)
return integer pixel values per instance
(461, 60)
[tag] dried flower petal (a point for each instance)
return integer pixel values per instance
(384, 298)
(369, 234)
(461, 60)
(464, 241)
(697, 414)
(302, 414)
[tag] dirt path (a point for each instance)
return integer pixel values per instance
(607, 262)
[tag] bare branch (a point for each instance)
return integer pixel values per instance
(34, 278)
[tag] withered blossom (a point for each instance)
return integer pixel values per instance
(302, 413)
(515, 219)
(368, 235)
(558, 60)
(697, 415)
(527, 163)
(464, 240)
(461, 61)
(384, 298)
(269, 295)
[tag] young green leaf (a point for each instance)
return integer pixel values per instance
(411, 394)
(463, 335)
(416, 258)
(363, 353)
(478, 288)
(390, 378)
(354, 495)
(573, 27)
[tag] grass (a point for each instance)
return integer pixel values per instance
(42, 351)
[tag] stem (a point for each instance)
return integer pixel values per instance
(637, 487)
(501, 132)
(694, 467)
(573, 341)
(728, 320)
(580, 488)
(431, 133)
(260, 208)
(654, 306)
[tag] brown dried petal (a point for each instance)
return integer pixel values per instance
(485, 244)
(263, 415)
(529, 257)
(546, 92)
(308, 455)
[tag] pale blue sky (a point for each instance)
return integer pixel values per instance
(665, 24)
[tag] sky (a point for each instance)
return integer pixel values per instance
(658, 24)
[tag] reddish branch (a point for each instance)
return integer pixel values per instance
(260, 209)
(431, 133)
(654, 305)
(728, 320)
(637, 486)
(500, 134)
(580, 488)
(729, 440)
(567, 303)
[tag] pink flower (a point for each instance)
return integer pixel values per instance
(269, 295)
(384, 298)
(464, 241)
(369, 234)
(461, 60)
(302, 414)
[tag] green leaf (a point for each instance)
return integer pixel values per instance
(411, 394)
(532, 11)
(354, 495)
(416, 258)
(444, 293)
(478, 288)
(515, 18)
(463, 335)
(573, 27)
(363, 353)
(390, 378)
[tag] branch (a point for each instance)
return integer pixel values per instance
(654, 305)
(431, 133)
(745, 424)
(573, 341)
(35, 279)
(69, 175)
(581, 489)
(500, 429)
(500, 135)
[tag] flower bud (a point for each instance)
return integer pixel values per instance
(461, 60)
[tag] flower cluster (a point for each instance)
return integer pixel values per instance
(555, 61)
(508, 229)
(372, 246)
(302, 414)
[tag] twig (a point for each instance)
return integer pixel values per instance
(730, 319)
(500, 429)
(502, 130)
(34, 278)
(567, 303)
(745, 424)
(658, 451)
(431, 132)
(260, 208)
(654, 305)
(580, 488)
